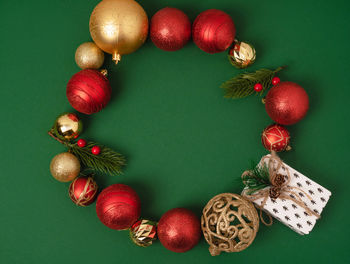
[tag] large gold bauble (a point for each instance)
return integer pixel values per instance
(89, 56)
(118, 27)
(65, 167)
(68, 126)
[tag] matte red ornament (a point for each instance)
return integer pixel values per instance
(287, 103)
(96, 150)
(83, 191)
(275, 138)
(213, 31)
(258, 87)
(275, 80)
(170, 29)
(179, 230)
(81, 143)
(118, 206)
(88, 91)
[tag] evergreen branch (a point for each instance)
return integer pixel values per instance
(242, 85)
(257, 178)
(108, 161)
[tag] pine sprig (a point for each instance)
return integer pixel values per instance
(257, 179)
(108, 161)
(242, 85)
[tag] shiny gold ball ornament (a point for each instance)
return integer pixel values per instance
(65, 167)
(229, 223)
(67, 126)
(118, 27)
(242, 54)
(89, 56)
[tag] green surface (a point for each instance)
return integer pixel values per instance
(184, 142)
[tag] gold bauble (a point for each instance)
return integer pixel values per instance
(229, 223)
(242, 54)
(65, 167)
(118, 27)
(68, 126)
(89, 56)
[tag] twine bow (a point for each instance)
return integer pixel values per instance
(279, 188)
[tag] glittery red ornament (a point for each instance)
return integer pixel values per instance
(170, 29)
(213, 31)
(118, 206)
(88, 91)
(179, 230)
(287, 103)
(275, 137)
(83, 191)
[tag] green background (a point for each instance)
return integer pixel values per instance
(184, 142)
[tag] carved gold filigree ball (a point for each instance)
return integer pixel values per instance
(229, 223)
(89, 56)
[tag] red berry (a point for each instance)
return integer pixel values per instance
(258, 87)
(275, 80)
(81, 143)
(96, 150)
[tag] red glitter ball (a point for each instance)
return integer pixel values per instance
(118, 206)
(213, 31)
(275, 137)
(170, 29)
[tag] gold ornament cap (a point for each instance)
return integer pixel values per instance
(118, 27)
(65, 167)
(241, 54)
(229, 223)
(89, 56)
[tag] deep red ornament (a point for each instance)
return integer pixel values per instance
(287, 103)
(275, 80)
(276, 138)
(213, 31)
(83, 191)
(258, 87)
(170, 29)
(81, 143)
(88, 91)
(96, 150)
(179, 230)
(118, 206)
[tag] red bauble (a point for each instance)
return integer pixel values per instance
(96, 150)
(81, 143)
(287, 103)
(118, 206)
(213, 31)
(275, 138)
(88, 91)
(83, 191)
(170, 29)
(179, 230)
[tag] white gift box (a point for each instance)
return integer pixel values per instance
(290, 213)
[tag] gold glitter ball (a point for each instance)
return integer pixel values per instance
(89, 56)
(65, 167)
(241, 54)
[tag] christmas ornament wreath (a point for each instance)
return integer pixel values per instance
(229, 221)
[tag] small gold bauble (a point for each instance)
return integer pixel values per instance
(229, 223)
(118, 27)
(89, 56)
(242, 54)
(68, 126)
(65, 167)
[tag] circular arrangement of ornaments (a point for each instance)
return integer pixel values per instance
(229, 222)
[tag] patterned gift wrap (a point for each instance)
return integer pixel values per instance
(287, 211)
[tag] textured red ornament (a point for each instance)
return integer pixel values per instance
(88, 91)
(213, 31)
(83, 191)
(287, 103)
(118, 206)
(276, 138)
(170, 29)
(179, 230)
